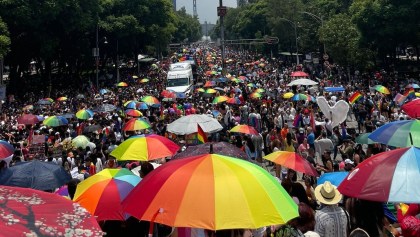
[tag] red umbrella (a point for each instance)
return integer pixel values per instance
(293, 161)
(28, 119)
(412, 108)
(29, 212)
(299, 74)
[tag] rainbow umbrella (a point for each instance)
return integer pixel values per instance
(401, 133)
(136, 124)
(102, 193)
(133, 113)
(390, 176)
(288, 95)
(28, 107)
(246, 129)
(364, 139)
(292, 160)
(213, 192)
(299, 97)
(210, 91)
(122, 84)
(131, 104)
(55, 121)
(251, 85)
(48, 99)
(145, 148)
(234, 101)
(220, 99)
(144, 80)
(200, 90)
(382, 89)
(259, 90)
(243, 78)
(150, 100)
(63, 98)
(80, 141)
(6, 149)
(210, 83)
(142, 106)
(236, 80)
(84, 114)
(256, 95)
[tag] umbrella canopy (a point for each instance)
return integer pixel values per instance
(92, 128)
(335, 178)
(234, 101)
(105, 108)
(188, 124)
(28, 212)
(209, 84)
(292, 160)
(303, 82)
(211, 192)
(35, 174)
(150, 100)
(136, 124)
(6, 149)
(102, 193)
(299, 97)
(122, 84)
(68, 115)
(63, 98)
(221, 148)
(133, 113)
(299, 74)
(288, 95)
(144, 80)
(142, 106)
(413, 85)
(412, 108)
(256, 95)
(220, 99)
(28, 107)
(55, 121)
(84, 114)
(245, 129)
(145, 148)
(210, 91)
(382, 89)
(390, 176)
(401, 133)
(28, 119)
(45, 102)
(364, 139)
(131, 104)
(334, 89)
(103, 91)
(80, 141)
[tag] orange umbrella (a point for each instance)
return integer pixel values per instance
(293, 161)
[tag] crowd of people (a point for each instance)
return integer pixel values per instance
(283, 124)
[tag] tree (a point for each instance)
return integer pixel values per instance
(187, 27)
(4, 39)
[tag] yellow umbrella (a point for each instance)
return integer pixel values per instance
(288, 95)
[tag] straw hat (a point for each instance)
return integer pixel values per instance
(327, 193)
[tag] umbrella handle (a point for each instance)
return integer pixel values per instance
(152, 222)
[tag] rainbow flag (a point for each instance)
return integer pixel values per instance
(410, 93)
(355, 97)
(201, 135)
(399, 99)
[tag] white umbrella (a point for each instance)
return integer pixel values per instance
(303, 82)
(188, 124)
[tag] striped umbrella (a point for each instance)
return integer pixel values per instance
(133, 113)
(135, 124)
(55, 121)
(84, 114)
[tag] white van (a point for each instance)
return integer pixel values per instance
(180, 77)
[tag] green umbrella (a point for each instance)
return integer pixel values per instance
(363, 139)
(80, 141)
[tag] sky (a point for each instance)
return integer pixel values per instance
(206, 9)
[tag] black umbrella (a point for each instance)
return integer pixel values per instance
(36, 175)
(92, 128)
(105, 108)
(68, 115)
(221, 148)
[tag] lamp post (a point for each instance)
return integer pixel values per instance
(221, 12)
(320, 20)
(296, 38)
(96, 55)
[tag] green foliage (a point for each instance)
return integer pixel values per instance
(188, 27)
(4, 39)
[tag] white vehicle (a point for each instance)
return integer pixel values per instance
(180, 77)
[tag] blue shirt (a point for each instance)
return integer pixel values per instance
(311, 138)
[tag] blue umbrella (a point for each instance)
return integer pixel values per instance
(142, 106)
(36, 175)
(221, 79)
(180, 95)
(334, 89)
(103, 91)
(335, 178)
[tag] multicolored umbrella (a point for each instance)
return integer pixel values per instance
(299, 74)
(28, 119)
(84, 114)
(256, 95)
(131, 104)
(55, 121)
(382, 89)
(412, 108)
(63, 98)
(144, 80)
(401, 133)
(29, 212)
(335, 178)
(136, 124)
(364, 139)
(236, 80)
(6, 149)
(209, 84)
(251, 85)
(211, 192)
(102, 193)
(210, 91)
(145, 148)
(234, 101)
(259, 90)
(297, 97)
(48, 99)
(44, 102)
(150, 100)
(292, 160)
(288, 95)
(122, 84)
(200, 90)
(133, 113)
(390, 176)
(142, 106)
(80, 141)
(220, 99)
(245, 129)
(28, 107)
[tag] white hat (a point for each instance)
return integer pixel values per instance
(327, 193)
(348, 161)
